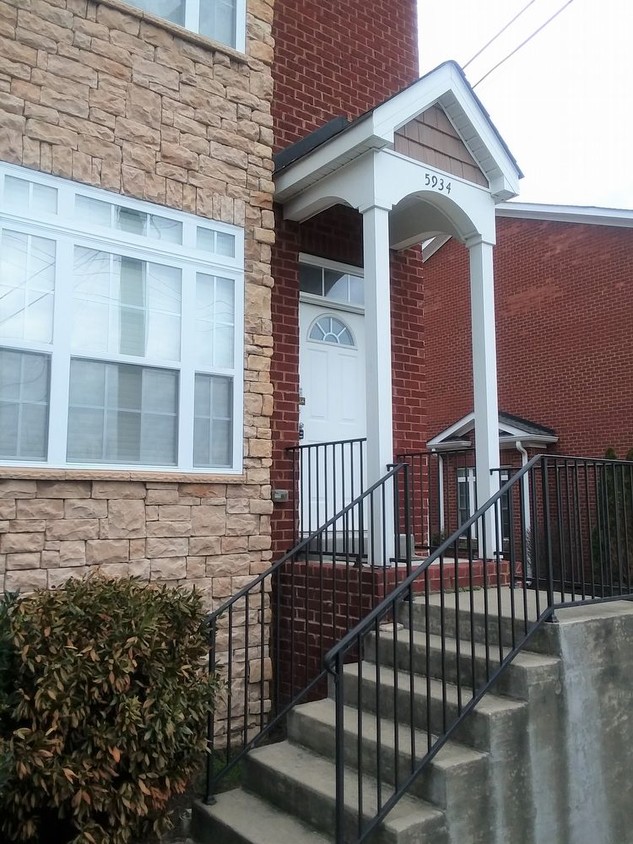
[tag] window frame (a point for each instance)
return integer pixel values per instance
(466, 480)
(336, 266)
(68, 232)
(192, 22)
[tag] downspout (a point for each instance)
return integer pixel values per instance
(526, 507)
(440, 492)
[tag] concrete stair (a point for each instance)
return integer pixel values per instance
(478, 789)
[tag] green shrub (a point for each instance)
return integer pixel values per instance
(8, 672)
(109, 715)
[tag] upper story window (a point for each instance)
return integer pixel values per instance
(120, 330)
(337, 285)
(222, 20)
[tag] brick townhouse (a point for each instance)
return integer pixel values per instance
(562, 275)
(152, 373)
(563, 332)
(135, 327)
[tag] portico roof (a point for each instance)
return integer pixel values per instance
(512, 430)
(337, 144)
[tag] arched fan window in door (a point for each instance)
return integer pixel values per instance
(329, 329)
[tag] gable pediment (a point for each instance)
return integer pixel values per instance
(432, 139)
(512, 429)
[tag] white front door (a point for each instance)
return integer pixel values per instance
(332, 380)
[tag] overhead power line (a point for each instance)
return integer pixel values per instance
(523, 43)
(501, 31)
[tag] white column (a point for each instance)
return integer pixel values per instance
(379, 398)
(484, 381)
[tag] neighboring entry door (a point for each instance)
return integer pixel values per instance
(332, 380)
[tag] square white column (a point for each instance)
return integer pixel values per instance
(486, 405)
(379, 396)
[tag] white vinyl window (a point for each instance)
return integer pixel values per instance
(222, 20)
(467, 500)
(121, 334)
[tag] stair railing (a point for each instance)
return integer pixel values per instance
(325, 477)
(571, 543)
(292, 613)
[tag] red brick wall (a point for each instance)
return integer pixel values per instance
(337, 235)
(336, 58)
(564, 332)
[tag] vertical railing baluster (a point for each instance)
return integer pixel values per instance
(246, 667)
(548, 534)
(229, 687)
(627, 519)
(211, 752)
(579, 544)
(618, 498)
(262, 652)
(339, 774)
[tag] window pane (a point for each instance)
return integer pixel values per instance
(217, 20)
(311, 279)
(172, 10)
(162, 228)
(217, 243)
(27, 281)
(129, 415)
(356, 290)
(22, 195)
(215, 321)
(44, 199)
(223, 347)
(85, 432)
(16, 193)
(205, 239)
(130, 220)
(165, 307)
(335, 285)
(126, 306)
(225, 244)
(87, 386)
(24, 392)
(91, 306)
(132, 312)
(94, 211)
(213, 422)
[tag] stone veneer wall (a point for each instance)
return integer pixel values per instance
(111, 96)
(214, 535)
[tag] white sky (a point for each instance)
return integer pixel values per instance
(563, 103)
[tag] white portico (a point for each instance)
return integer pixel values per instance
(428, 161)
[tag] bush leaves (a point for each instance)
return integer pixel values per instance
(104, 697)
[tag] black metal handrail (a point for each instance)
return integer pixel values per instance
(294, 611)
(572, 537)
(325, 477)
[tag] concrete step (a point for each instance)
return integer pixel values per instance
(469, 661)
(484, 616)
(435, 704)
(455, 780)
(296, 780)
(238, 817)
(498, 726)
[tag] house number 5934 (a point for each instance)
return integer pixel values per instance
(437, 182)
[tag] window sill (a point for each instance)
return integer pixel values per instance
(51, 474)
(176, 30)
